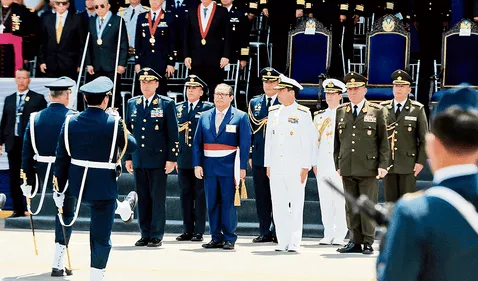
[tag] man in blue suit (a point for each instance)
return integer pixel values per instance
(434, 235)
(193, 200)
(90, 147)
(152, 120)
(258, 112)
(38, 156)
(220, 153)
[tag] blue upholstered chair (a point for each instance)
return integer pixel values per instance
(308, 58)
(388, 49)
(459, 59)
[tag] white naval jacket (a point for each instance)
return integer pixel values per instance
(323, 149)
(288, 144)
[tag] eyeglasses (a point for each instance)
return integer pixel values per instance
(102, 6)
(62, 3)
(221, 95)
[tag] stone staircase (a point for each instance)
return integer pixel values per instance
(247, 217)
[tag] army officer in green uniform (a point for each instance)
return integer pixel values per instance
(361, 152)
(407, 126)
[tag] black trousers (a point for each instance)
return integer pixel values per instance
(193, 201)
(262, 189)
(151, 189)
(15, 162)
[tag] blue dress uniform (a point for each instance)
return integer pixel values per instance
(428, 238)
(239, 34)
(38, 155)
(86, 157)
(234, 131)
(156, 50)
(130, 17)
(193, 200)
(156, 129)
(258, 113)
(180, 10)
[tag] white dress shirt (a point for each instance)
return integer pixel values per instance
(194, 105)
(273, 100)
(359, 106)
(395, 103)
(223, 112)
(149, 101)
(205, 19)
(157, 14)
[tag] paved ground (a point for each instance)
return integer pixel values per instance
(181, 260)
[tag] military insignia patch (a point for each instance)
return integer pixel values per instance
(364, 110)
(293, 120)
(388, 24)
(156, 128)
(291, 133)
(369, 132)
(139, 101)
(347, 110)
(27, 98)
(269, 73)
(330, 85)
(155, 101)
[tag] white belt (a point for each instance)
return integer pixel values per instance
(45, 159)
(93, 164)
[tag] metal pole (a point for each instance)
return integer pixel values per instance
(60, 213)
(32, 226)
(82, 66)
(116, 63)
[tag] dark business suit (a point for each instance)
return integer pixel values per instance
(206, 58)
(103, 57)
(13, 144)
(193, 200)
(62, 59)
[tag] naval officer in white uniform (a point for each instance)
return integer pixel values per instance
(332, 204)
(288, 158)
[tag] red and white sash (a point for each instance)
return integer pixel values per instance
(216, 150)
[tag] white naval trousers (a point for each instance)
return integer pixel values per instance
(332, 206)
(287, 190)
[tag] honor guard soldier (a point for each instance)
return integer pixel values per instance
(155, 42)
(332, 204)
(361, 152)
(193, 199)
(258, 113)
(38, 156)
(408, 123)
(239, 31)
(288, 158)
(220, 152)
(130, 17)
(88, 158)
(152, 120)
(433, 235)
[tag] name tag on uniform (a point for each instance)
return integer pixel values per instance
(230, 128)
(163, 24)
(410, 118)
(293, 120)
(156, 112)
(234, 20)
(370, 118)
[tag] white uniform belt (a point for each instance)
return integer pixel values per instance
(93, 164)
(45, 159)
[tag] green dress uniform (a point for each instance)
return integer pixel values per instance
(361, 147)
(409, 126)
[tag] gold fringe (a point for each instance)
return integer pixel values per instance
(237, 197)
(243, 189)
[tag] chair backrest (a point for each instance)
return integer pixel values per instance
(388, 49)
(176, 81)
(459, 55)
(231, 77)
(32, 67)
(260, 29)
(308, 57)
(364, 25)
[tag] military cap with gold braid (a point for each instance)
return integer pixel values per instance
(401, 77)
(195, 81)
(354, 80)
(286, 82)
(148, 74)
(333, 86)
(269, 74)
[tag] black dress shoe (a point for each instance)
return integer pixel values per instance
(17, 214)
(228, 245)
(197, 237)
(213, 245)
(57, 272)
(184, 237)
(367, 249)
(142, 242)
(155, 242)
(262, 239)
(351, 247)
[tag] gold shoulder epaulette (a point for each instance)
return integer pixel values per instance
(274, 107)
(303, 108)
(319, 112)
(387, 102)
(32, 10)
(343, 105)
(416, 103)
(375, 105)
(413, 194)
(147, 8)
(122, 9)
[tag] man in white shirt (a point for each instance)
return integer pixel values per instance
(332, 204)
(130, 17)
(288, 158)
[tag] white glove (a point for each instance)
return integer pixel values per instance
(112, 111)
(58, 198)
(26, 190)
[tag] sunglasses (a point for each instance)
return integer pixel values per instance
(102, 6)
(62, 3)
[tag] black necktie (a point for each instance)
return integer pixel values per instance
(398, 110)
(191, 109)
(132, 14)
(154, 17)
(269, 102)
(20, 106)
(101, 22)
(205, 13)
(146, 104)
(177, 4)
(355, 111)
